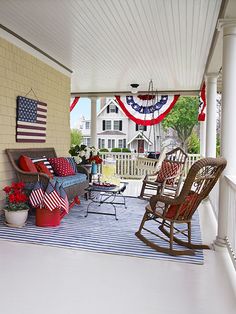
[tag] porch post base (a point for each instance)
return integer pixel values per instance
(219, 244)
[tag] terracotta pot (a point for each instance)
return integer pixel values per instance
(16, 218)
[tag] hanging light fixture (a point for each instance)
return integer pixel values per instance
(134, 88)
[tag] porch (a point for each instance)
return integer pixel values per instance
(43, 279)
(40, 45)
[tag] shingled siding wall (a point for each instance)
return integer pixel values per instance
(19, 72)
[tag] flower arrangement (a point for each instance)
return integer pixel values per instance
(84, 154)
(16, 199)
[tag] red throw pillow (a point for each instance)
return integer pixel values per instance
(26, 164)
(41, 167)
(61, 167)
(172, 210)
(168, 169)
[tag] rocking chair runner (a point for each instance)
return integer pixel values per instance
(164, 178)
(168, 211)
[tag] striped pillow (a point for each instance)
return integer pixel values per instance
(45, 161)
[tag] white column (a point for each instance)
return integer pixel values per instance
(203, 138)
(93, 128)
(211, 88)
(228, 122)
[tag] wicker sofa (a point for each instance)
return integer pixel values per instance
(74, 186)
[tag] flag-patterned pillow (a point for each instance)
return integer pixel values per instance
(168, 169)
(61, 167)
(43, 159)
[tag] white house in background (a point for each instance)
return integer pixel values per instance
(116, 130)
(84, 127)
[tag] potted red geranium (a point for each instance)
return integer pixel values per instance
(17, 207)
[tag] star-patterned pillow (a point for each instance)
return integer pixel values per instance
(61, 167)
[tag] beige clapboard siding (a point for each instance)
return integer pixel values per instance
(19, 71)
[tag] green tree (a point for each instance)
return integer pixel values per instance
(75, 137)
(182, 118)
(193, 143)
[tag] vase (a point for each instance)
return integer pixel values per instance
(94, 169)
(16, 218)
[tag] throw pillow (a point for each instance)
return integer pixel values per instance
(26, 164)
(61, 167)
(168, 169)
(72, 163)
(187, 205)
(41, 167)
(45, 161)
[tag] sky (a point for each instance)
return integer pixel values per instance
(83, 107)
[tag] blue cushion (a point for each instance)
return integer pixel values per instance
(70, 180)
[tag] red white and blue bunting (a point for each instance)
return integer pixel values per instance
(202, 104)
(143, 110)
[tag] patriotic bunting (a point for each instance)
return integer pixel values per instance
(145, 111)
(74, 103)
(202, 104)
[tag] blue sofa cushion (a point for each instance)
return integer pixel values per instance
(70, 180)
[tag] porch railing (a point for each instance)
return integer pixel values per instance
(127, 164)
(231, 222)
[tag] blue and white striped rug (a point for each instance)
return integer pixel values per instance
(100, 233)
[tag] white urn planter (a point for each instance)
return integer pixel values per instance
(16, 218)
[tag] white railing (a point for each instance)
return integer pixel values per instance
(127, 164)
(231, 223)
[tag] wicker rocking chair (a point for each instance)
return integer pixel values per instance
(168, 212)
(169, 175)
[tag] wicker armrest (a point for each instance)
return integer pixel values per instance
(82, 169)
(164, 199)
(33, 177)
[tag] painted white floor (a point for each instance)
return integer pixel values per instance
(36, 279)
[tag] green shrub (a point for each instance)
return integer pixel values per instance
(116, 150)
(126, 150)
(104, 150)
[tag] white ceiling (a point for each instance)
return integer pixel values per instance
(110, 44)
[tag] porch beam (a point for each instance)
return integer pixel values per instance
(113, 93)
(228, 125)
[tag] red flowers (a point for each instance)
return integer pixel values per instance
(96, 159)
(16, 199)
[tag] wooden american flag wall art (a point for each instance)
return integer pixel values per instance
(31, 119)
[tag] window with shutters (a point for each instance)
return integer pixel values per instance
(106, 125)
(112, 108)
(124, 143)
(113, 143)
(102, 143)
(141, 127)
(109, 143)
(117, 125)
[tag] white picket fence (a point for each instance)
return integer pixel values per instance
(128, 165)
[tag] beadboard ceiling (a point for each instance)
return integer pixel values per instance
(110, 44)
